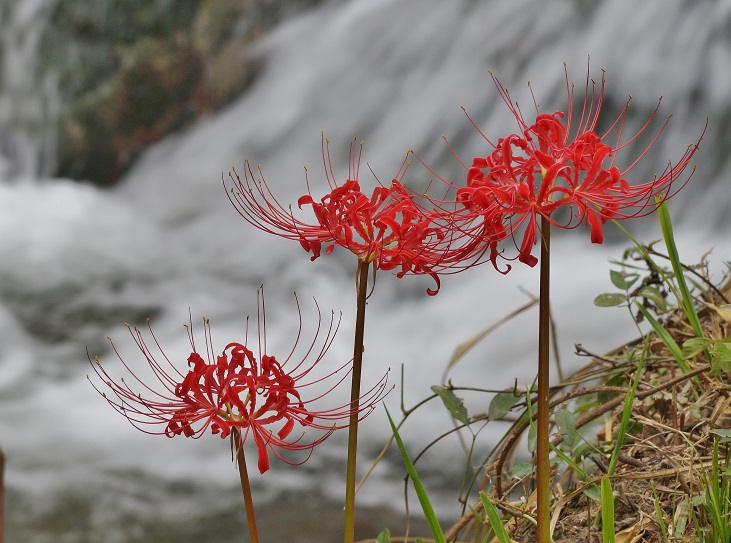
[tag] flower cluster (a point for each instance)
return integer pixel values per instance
(237, 388)
(389, 227)
(557, 162)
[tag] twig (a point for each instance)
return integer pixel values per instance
(511, 440)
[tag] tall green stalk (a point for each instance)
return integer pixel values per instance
(362, 291)
(245, 486)
(543, 477)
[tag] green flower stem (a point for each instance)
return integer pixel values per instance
(245, 486)
(543, 477)
(362, 290)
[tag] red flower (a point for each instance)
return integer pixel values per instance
(237, 389)
(387, 227)
(558, 162)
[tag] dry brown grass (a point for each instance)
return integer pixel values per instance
(663, 460)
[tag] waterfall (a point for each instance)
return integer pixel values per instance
(29, 104)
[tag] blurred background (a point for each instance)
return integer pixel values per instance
(118, 120)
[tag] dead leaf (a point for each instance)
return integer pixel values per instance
(629, 535)
(724, 311)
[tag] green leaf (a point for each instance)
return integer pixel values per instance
(567, 425)
(623, 280)
(724, 434)
(562, 457)
(625, 421)
(607, 511)
(501, 403)
(721, 357)
(593, 493)
(583, 450)
(687, 301)
(660, 516)
(695, 346)
(384, 537)
(665, 337)
(454, 404)
(610, 299)
(493, 518)
(655, 296)
(532, 438)
(426, 507)
(521, 470)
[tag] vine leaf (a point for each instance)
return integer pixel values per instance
(694, 346)
(567, 425)
(622, 279)
(454, 404)
(610, 299)
(501, 403)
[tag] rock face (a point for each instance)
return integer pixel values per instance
(131, 73)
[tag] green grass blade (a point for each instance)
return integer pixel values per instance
(431, 517)
(661, 272)
(627, 411)
(570, 463)
(665, 337)
(686, 299)
(660, 517)
(717, 499)
(607, 511)
(493, 518)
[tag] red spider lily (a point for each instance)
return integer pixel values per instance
(387, 228)
(238, 389)
(557, 162)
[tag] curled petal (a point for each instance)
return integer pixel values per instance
(595, 226)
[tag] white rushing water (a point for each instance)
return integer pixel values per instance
(77, 261)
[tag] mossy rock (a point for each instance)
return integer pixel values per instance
(130, 74)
